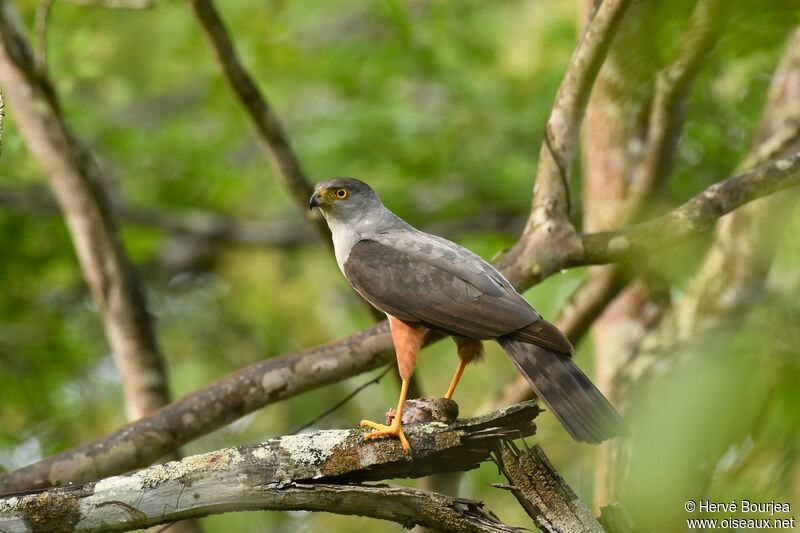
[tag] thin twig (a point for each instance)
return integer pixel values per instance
(343, 400)
(78, 183)
(561, 170)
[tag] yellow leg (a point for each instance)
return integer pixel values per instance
(396, 429)
(456, 378)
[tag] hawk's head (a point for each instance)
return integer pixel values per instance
(344, 198)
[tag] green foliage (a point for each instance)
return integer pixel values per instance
(440, 106)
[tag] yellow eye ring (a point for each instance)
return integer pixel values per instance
(341, 193)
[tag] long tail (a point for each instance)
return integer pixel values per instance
(574, 400)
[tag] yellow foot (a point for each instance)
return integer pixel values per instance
(395, 430)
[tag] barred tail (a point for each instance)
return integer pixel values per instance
(574, 400)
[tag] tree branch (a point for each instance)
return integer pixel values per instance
(77, 183)
(562, 131)
(542, 492)
(281, 377)
(264, 118)
(694, 217)
(668, 111)
(548, 233)
(312, 471)
(221, 402)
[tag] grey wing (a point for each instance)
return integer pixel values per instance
(426, 281)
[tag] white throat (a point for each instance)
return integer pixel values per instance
(344, 238)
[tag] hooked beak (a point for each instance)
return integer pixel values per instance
(316, 201)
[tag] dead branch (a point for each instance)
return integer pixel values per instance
(313, 471)
(542, 492)
(77, 182)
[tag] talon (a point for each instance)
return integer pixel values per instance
(381, 430)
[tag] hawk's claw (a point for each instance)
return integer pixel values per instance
(394, 430)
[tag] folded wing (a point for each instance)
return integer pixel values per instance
(424, 279)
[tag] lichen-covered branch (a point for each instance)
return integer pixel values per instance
(694, 217)
(221, 402)
(78, 185)
(312, 471)
(542, 492)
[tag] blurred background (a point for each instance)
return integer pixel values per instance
(440, 107)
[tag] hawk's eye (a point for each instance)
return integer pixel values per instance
(342, 193)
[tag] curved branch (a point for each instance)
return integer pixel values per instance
(548, 234)
(77, 182)
(562, 130)
(694, 217)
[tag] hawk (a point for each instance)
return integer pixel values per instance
(423, 282)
